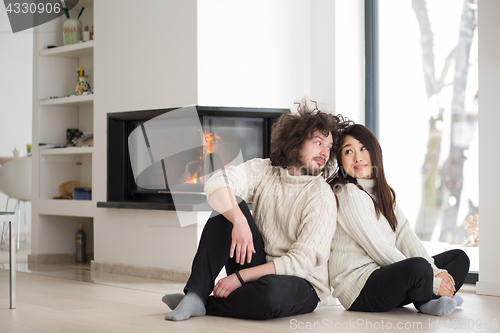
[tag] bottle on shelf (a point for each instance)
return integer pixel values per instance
(82, 87)
(80, 244)
(86, 34)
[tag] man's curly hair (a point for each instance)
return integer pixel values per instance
(293, 129)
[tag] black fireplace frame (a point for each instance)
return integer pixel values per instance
(118, 161)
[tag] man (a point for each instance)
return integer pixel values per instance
(276, 260)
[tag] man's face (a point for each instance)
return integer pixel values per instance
(314, 154)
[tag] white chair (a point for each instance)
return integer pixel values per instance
(15, 182)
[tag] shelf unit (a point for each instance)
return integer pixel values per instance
(55, 110)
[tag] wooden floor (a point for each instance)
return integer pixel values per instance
(68, 298)
(50, 300)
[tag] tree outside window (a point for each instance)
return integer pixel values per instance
(428, 84)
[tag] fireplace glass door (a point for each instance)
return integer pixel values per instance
(225, 141)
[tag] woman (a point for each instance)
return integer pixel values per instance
(377, 263)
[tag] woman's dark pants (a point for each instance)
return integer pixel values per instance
(409, 281)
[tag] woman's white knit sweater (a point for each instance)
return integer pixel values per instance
(296, 216)
(364, 243)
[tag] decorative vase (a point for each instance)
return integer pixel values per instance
(82, 88)
(72, 31)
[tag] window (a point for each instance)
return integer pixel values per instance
(428, 88)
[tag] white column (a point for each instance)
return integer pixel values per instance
(489, 136)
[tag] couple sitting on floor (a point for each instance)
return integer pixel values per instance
(306, 235)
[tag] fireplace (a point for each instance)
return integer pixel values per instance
(249, 129)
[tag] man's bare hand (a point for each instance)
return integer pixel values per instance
(226, 286)
(242, 243)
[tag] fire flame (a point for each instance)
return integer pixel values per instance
(193, 179)
(210, 141)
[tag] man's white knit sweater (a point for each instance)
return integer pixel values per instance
(364, 243)
(296, 216)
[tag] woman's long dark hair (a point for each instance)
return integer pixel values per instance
(385, 196)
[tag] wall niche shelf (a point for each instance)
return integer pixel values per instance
(78, 50)
(71, 100)
(67, 151)
(57, 207)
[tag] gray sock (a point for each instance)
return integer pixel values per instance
(439, 307)
(190, 306)
(172, 300)
(458, 299)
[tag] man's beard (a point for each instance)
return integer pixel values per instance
(310, 168)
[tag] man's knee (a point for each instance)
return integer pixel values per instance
(270, 290)
(283, 296)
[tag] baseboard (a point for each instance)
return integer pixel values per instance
(472, 278)
(148, 272)
(55, 258)
(488, 288)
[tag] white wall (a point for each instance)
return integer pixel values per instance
(268, 53)
(489, 137)
(16, 73)
(350, 59)
(253, 53)
(322, 52)
(145, 55)
(144, 58)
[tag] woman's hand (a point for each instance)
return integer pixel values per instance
(447, 287)
(242, 243)
(226, 286)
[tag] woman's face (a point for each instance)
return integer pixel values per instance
(356, 159)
